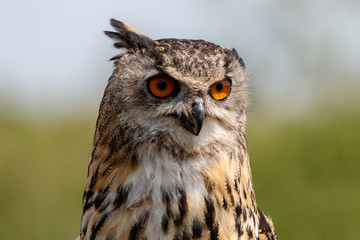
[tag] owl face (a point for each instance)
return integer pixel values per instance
(189, 89)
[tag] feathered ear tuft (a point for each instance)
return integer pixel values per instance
(231, 54)
(126, 37)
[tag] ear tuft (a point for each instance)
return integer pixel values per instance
(126, 36)
(231, 54)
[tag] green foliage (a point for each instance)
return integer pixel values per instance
(305, 172)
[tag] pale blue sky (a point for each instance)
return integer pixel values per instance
(53, 54)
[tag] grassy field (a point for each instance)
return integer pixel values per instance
(306, 175)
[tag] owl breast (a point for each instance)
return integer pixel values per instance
(164, 198)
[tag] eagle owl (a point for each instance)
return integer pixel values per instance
(169, 158)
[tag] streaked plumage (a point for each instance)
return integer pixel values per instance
(173, 167)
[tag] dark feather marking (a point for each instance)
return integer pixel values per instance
(196, 229)
(134, 160)
(225, 204)
(96, 227)
(87, 195)
(186, 236)
(138, 226)
(100, 197)
(104, 206)
(238, 211)
(239, 228)
(236, 186)
(121, 196)
(94, 177)
(210, 212)
(244, 215)
(252, 216)
(167, 200)
(88, 168)
(245, 195)
(177, 220)
(87, 202)
(85, 225)
(214, 232)
(249, 232)
(264, 226)
(252, 197)
(87, 206)
(165, 224)
(183, 208)
(228, 188)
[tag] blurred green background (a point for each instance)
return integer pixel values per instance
(303, 130)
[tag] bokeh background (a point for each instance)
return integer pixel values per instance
(302, 61)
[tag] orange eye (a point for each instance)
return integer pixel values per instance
(220, 90)
(161, 86)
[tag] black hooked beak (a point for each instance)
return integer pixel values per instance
(193, 122)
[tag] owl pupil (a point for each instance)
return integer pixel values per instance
(219, 87)
(161, 84)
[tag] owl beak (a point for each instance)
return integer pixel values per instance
(193, 122)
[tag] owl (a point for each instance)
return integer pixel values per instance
(169, 157)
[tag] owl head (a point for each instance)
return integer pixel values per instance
(188, 90)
